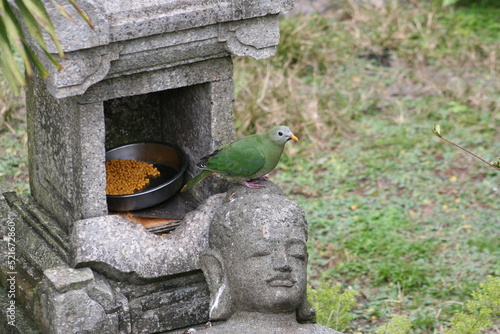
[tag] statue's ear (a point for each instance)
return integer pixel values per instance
(220, 297)
(306, 313)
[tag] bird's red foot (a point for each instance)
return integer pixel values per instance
(253, 184)
(264, 178)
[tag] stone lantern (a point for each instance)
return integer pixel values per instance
(155, 70)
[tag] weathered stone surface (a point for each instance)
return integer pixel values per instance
(256, 325)
(124, 320)
(172, 307)
(21, 274)
(28, 243)
(13, 319)
(76, 301)
(101, 291)
(256, 38)
(27, 279)
(67, 279)
(126, 251)
(35, 217)
(66, 160)
(121, 20)
(7, 223)
(77, 35)
(154, 34)
(179, 52)
(22, 324)
(174, 302)
(156, 80)
(75, 312)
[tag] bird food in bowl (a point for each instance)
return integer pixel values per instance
(141, 175)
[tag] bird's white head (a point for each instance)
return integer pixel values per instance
(281, 134)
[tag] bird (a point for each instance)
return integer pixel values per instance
(246, 160)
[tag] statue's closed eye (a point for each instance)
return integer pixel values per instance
(299, 256)
(261, 253)
(297, 249)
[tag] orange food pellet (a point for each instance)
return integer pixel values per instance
(127, 176)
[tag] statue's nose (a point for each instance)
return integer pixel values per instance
(281, 262)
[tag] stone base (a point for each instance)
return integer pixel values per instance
(51, 296)
(109, 275)
(21, 324)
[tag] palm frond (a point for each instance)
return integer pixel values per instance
(13, 41)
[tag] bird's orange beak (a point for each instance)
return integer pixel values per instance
(294, 137)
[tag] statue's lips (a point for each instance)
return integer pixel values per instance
(280, 281)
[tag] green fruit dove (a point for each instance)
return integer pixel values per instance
(246, 159)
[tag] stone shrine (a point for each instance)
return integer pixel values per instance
(155, 70)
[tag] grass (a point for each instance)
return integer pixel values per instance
(13, 140)
(406, 220)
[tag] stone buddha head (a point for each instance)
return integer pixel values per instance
(258, 257)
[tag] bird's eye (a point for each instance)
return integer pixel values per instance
(280, 134)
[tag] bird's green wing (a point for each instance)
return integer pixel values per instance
(241, 158)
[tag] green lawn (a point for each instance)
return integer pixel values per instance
(411, 223)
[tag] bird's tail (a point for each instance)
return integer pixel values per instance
(203, 175)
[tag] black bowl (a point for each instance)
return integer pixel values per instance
(169, 160)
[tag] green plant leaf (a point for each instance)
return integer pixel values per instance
(399, 324)
(38, 10)
(14, 77)
(333, 306)
(31, 23)
(82, 14)
(437, 130)
(62, 10)
(39, 66)
(12, 40)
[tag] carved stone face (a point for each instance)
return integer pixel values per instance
(266, 259)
